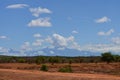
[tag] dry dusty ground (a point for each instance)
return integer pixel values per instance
(11, 74)
(99, 68)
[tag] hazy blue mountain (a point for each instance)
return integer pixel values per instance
(51, 52)
(69, 52)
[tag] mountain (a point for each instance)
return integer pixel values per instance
(51, 52)
(69, 52)
(61, 52)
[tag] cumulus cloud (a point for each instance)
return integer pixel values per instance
(103, 20)
(3, 50)
(52, 52)
(37, 11)
(15, 6)
(62, 42)
(116, 40)
(38, 42)
(59, 40)
(49, 40)
(37, 35)
(71, 39)
(74, 32)
(3, 37)
(40, 22)
(102, 33)
(26, 46)
(102, 48)
(54, 41)
(75, 45)
(41, 52)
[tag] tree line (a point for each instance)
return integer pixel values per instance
(105, 57)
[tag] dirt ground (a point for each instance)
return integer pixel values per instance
(83, 71)
(99, 68)
(9, 74)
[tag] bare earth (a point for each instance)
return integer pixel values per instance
(11, 74)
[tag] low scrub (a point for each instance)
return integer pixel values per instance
(66, 69)
(44, 68)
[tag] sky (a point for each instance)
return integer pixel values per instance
(75, 24)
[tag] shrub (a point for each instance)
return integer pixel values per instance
(66, 69)
(40, 59)
(21, 60)
(44, 68)
(116, 58)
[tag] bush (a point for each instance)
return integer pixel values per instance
(66, 69)
(40, 59)
(21, 60)
(44, 68)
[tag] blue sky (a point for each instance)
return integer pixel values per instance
(77, 24)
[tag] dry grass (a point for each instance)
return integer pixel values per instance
(99, 68)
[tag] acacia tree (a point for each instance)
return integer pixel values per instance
(107, 57)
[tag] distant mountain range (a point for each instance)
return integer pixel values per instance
(51, 52)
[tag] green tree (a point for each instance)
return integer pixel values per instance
(116, 58)
(107, 57)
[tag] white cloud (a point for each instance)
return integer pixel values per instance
(3, 50)
(41, 52)
(62, 42)
(61, 48)
(3, 37)
(71, 39)
(26, 46)
(40, 22)
(102, 48)
(38, 42)
(116, 40)
(52, 52)
(75, 45)
(75, 32)
(49, 40)
(37, 35)
(59, 40)
(102, 33)
(15, 6)
(37, 11)
(103, 20)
